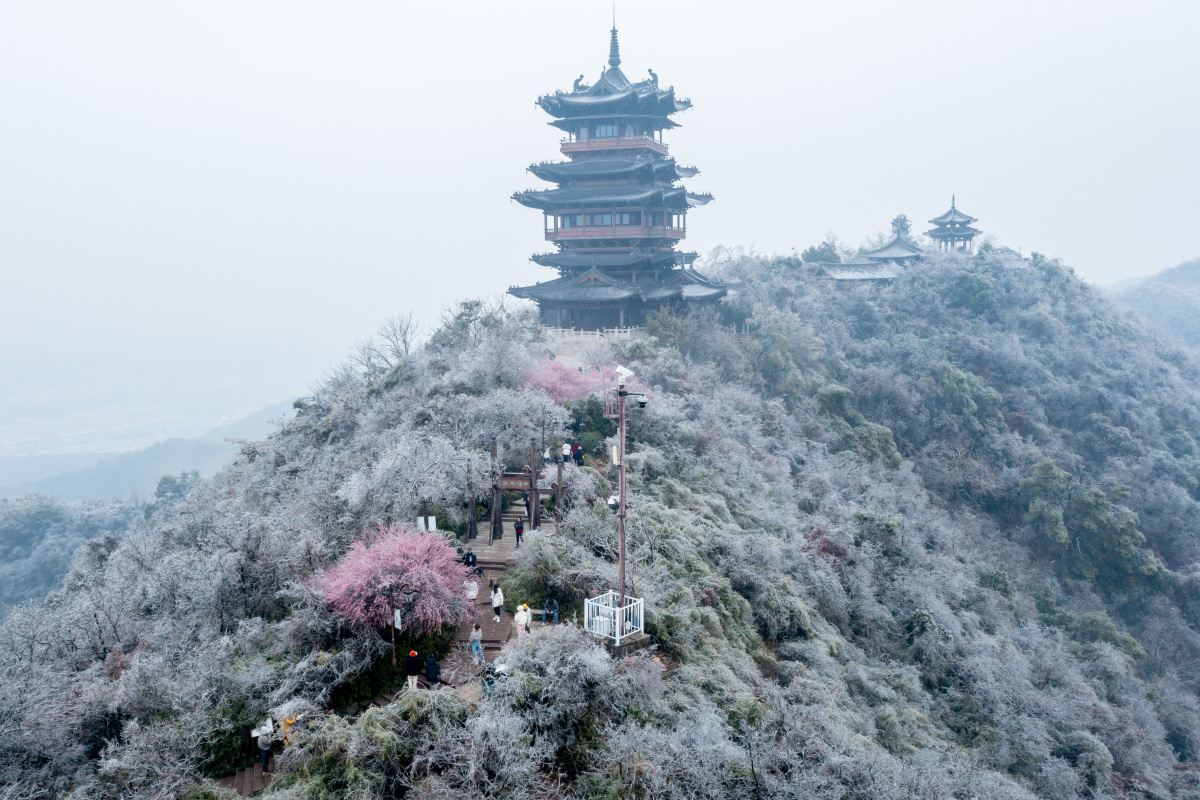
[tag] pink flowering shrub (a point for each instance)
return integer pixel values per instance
(565, 383)
(396, 561)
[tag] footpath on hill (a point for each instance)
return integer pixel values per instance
(459, 672)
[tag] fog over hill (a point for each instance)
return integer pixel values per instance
(939, 538)
(1169, 300)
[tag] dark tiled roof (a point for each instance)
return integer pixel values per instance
(953, 217)
(897, 249)
(952, 233)
(614, 94)
(630, 195)
(596, 169)
(594, 286)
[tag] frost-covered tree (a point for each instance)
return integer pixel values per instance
(393, 567)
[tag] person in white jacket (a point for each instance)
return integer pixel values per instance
(497, 601)
(522, 620)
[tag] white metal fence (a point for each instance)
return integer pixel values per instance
(604, 617)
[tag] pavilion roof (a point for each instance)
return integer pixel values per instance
(898, 248)
(594, 286)
(613, 94)
(953, 217)
(623, 258)
(628, 167)
(959, 232)
(628, 195)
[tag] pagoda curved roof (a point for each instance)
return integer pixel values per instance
(598, 169)
(953, 217)
(897, 249)
(956, 232)
(614, 94)
(593, 286)
(674, 197)
(624, 258)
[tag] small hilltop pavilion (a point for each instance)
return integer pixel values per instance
(953, 231)
(618, 211)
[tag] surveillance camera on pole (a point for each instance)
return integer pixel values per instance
(614, 409)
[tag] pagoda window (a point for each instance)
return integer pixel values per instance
(598, 219)
(570, 221)
(583, 134)
(606, 131)
(628, 218)
(629, 132)
(654, 218)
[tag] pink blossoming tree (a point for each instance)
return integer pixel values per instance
(420, 571)
(565, 383)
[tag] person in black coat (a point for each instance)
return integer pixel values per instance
(433, 670)
(469, 558)
(413, 667)
(519, 528)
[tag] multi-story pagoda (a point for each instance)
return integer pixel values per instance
(953, 231)
(618, 212)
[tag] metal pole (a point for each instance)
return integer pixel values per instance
(558, 505)
(392, 625)
(621, 493)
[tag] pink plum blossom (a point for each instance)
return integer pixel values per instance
(394, 561)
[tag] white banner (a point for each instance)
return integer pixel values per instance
(398, 622)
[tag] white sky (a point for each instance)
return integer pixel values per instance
(210, 203)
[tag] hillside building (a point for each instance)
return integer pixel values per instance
(618, 211)
(954, 231)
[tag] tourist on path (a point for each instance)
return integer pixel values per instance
(546, 456)
(566, 452)
(577, 452)
(469, 558)
(413, 668)
(551, 607)
(519, 528)
(265, 738)
(522, 620)
(477, 645)
(433, 671)
(472, 588)
(497, 601)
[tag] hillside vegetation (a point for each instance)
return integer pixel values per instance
(939, 540)
(1169, 300)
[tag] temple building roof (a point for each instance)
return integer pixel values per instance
(953, 217)
(632, 195)
(623, 258)
(594, 286)
(625, 168)
(959, 232)
(898, 249)
(614, 94)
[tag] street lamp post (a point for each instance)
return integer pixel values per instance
(615, 409)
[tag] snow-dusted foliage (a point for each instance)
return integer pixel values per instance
(934, 540)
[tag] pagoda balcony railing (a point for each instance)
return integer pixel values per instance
(605, 618)
(616, 232)
(613, 143)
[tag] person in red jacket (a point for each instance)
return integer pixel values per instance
(413, 667)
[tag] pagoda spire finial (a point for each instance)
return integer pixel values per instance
(614, 50)
(951, 202)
